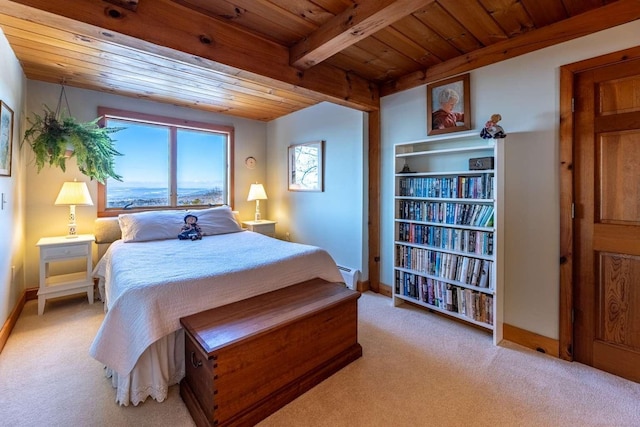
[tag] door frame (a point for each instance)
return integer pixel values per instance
(567, 78)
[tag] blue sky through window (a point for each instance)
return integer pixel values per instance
(145, 163)
(199, 155)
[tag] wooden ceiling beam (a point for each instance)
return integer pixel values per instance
(613, 14)
(357, 22)
(168, 29)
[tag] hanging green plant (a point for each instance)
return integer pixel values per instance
(54, 139)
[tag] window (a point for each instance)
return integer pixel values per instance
(166, 163)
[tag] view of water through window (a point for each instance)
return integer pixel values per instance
(201, 161)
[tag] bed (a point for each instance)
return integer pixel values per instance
(149, 279)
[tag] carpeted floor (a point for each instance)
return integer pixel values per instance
(418, 369)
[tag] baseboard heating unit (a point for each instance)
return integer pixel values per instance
(350, 276)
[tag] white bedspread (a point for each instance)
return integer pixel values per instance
(151, 285)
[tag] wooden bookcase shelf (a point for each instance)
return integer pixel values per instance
(448, 254)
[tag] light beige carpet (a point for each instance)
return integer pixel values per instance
(418, 369)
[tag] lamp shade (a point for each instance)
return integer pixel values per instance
(74, 193)
(256, 192)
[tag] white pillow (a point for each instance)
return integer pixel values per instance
(151, 225)
(218, 220)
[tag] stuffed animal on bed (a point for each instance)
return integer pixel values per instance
(190, 230)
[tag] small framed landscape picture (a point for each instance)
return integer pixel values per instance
(306, 166)
(6, 138)
(449, 106)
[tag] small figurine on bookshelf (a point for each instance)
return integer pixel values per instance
(492, 129)
(406, 169)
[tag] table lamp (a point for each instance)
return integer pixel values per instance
(257, 193)
(73, 193)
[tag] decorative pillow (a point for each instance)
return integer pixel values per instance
(151, 225)
(106, 230)
(218, 220)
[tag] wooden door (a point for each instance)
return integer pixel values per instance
(607, 219)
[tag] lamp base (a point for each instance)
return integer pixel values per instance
(257, 217)
(73, 231)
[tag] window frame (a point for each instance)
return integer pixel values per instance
(173, 124)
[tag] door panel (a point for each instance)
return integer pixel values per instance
(618, 324)
(607, 224)
(619, 96)
(619, 164)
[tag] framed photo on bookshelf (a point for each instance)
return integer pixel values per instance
(449, 105)
(306, 166)
(6, 138)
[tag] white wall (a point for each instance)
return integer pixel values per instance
(45, 219)
(525, 91)
(334, 219)
(12, 93)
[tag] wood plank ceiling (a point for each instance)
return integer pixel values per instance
(262, 59)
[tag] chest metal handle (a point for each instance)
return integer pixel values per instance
(194, 362)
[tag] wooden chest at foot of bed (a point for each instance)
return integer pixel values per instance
(248, 359)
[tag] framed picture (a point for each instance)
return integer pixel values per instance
(6, 138)
(448, 106)
(306, 166)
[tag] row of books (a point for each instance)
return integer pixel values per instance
(456, 187)
(464, 269)
(466, 302)
(455, 239)
(479, 215)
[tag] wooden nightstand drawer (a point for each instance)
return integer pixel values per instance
(77, 250)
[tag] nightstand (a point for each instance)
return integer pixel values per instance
(266, 227)
(56, 249)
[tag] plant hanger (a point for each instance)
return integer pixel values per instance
(62, 94)
(59, 116)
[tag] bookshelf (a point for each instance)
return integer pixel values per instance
(448, 232)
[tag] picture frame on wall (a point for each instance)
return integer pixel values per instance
(6, 138)
(306, 166)
(449, 105)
